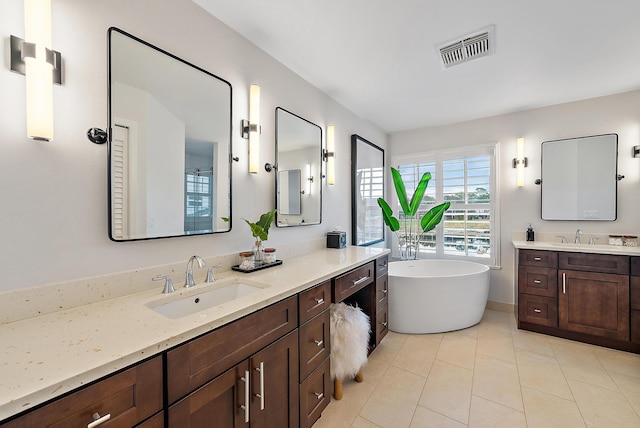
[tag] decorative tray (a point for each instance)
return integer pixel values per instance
(260, 267)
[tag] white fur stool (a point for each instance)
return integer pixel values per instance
(349, 343)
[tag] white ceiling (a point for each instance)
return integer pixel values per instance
(378, 58)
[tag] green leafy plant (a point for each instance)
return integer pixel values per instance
(412, 233)
(260, 229)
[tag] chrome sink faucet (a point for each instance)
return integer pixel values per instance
(578, 234)
(188, 282)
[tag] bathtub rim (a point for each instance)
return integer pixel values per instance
(482, 268)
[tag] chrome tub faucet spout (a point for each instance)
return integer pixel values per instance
(188, 282)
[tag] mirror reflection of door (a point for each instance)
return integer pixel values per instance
(289, 192)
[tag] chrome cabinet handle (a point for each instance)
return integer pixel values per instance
(536, 281)
(247, 396)
(261, 394)
(319, 395)
(384, 324)
(319, 301)
(360, 280)
(537, 259)
(318, 342)
(537, 311)
(564, 283)
(385, 291)
(98, 420)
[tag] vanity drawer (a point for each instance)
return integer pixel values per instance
(382, 323)
(314, 300)
(382, 265)
(129, 397)
(315, 343)
(195, 363)
(635, 266)
(315, 394)
(603, 263)
(634, 283)
(382, 290)
(635, 326)
(538, 310)
(540, 281)
(347, 284)
(538, 258)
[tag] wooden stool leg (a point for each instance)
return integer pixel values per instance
(337, 389)
(359, 377)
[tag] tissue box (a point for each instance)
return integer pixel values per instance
(336, 239)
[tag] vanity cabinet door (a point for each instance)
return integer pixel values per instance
(220, 403)
(315, 343)
(274, 385)
(129, 397)
(594, 303)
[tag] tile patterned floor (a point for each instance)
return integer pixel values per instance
(490, 375)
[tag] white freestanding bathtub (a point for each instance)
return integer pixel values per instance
(432, 296)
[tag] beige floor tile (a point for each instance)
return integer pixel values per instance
(417, 355)
(497, 380)
(601, 407)
(399, 385)
(618, 361)
(485, 413)
(338, 414)
(630, 387)
(388, 413)
(458, 349)
(496, 343)
(470, 331)
(448, 391)
(542, 373)
(363, 423)
(425, 418)
(533, 342)
(390, 346)
(579, 363)
(496, 320)
(548, 411)
(375, 368)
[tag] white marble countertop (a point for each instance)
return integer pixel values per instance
(577, 248)
(45, 356)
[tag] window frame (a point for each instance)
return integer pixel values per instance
(439, 156)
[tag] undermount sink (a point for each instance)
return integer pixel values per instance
(193, 301)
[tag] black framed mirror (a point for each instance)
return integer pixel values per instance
(367, 185)
(580, 178)
(299, 170)
(169, 144)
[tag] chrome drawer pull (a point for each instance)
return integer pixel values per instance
(319, 301)
(318, 342)
(360, 281)
(384, 324)
(98, 420)
(537, 311)
(385, 291)
(537, 259)
(247, 396)
(261, 395)
(319, 395)
(536, 281)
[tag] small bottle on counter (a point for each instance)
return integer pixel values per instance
(269, 255)
(530, 235)
(246, 260)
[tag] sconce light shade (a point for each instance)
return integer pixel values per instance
(254, 129)
(330, 154)
(39, 61)
(520, 162)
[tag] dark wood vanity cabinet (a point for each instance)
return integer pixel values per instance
(634, 299)
(127, 398)
(380, 324)
(579, 296)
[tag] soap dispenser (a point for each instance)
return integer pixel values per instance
(530, 236)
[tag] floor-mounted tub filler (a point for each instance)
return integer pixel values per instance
(433, 296)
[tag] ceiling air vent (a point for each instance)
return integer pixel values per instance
(467, 48)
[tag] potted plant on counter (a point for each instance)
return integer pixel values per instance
(411, 228)
(260, 231)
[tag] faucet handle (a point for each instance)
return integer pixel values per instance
(210, 277)
(593, 240)
(168, 283)
(563, 240)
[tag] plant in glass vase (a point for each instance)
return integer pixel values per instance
(260, 231)
(412, 228)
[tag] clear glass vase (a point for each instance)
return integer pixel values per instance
(258, 253)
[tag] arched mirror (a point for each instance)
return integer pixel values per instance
(299, 170)
(169, 144)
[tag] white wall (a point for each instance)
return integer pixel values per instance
(519, 206)
(53, 197)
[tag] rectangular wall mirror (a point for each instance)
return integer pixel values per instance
(367, 175)
(299, 166)
(169, 144)
(580, 178)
